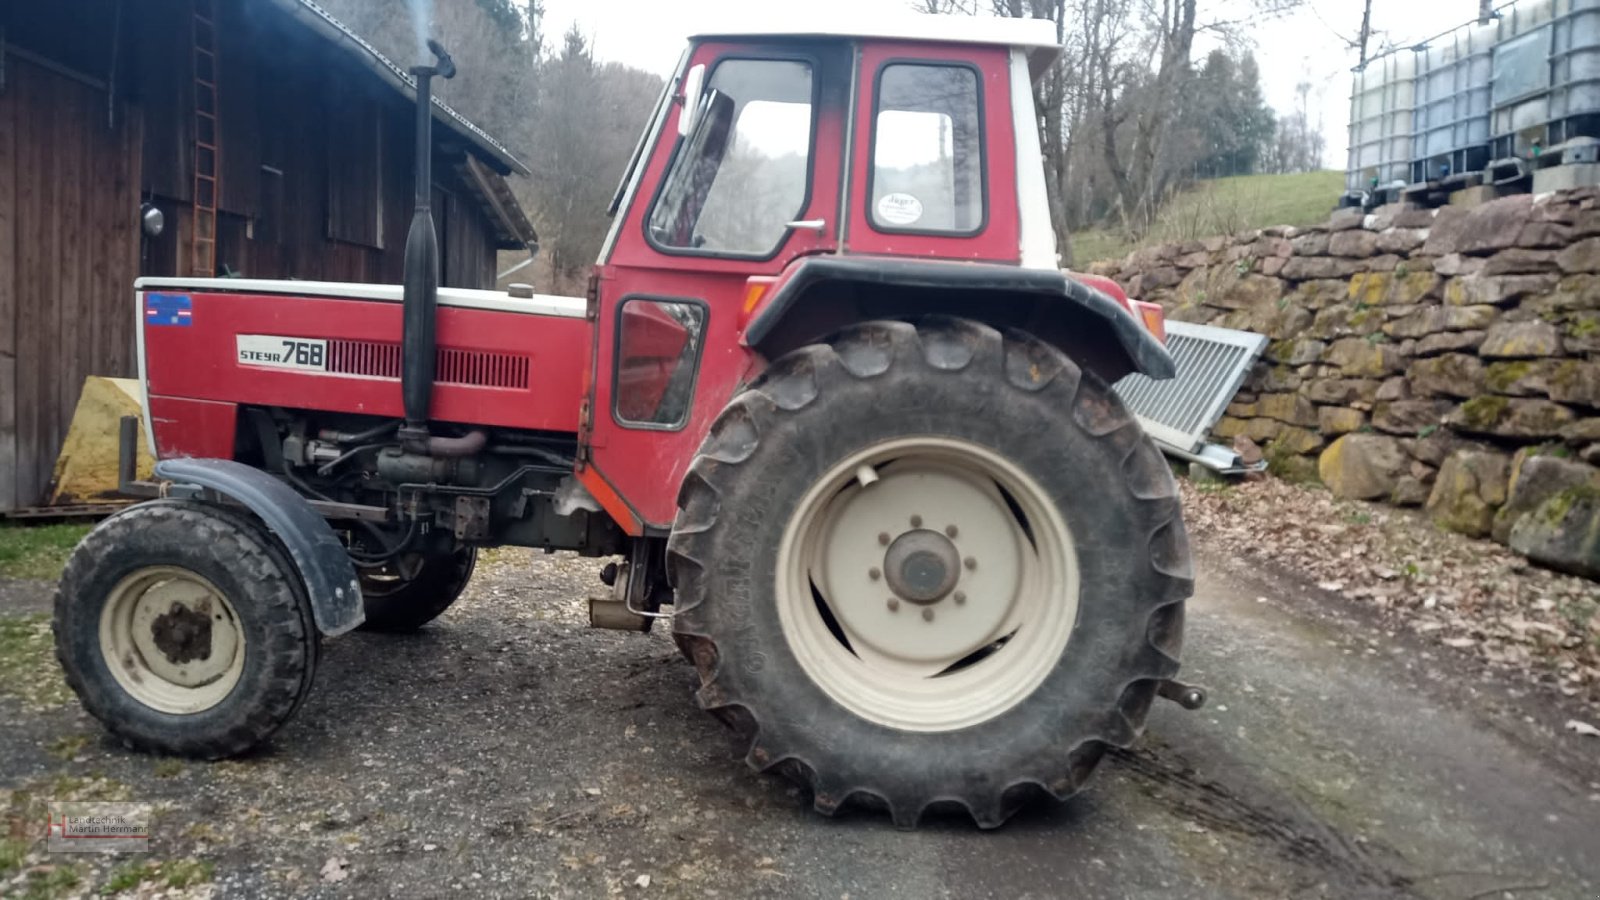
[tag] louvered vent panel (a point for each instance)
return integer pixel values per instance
(502, 370)
(1212, 363)
(474, 367)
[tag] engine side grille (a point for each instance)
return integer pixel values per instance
(475, 367)
(502, 370)
(1212, 364)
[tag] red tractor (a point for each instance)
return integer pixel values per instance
(829, 397)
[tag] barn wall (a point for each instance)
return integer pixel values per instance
(68, 256)
(315, 157)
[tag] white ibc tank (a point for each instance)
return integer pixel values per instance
(1546, 76)
(1382, 104)
(1452, 117)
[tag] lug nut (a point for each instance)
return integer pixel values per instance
(951, 531)
(883, 538)
(960, 597)
(894, 605)
(927, 614)
(874, 574)
(916, 521)
(970, 562)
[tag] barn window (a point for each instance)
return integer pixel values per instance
(268, 226)
(355, 168)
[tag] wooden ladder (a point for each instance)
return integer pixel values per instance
(207, 142)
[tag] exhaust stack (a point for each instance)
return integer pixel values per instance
(421, 284)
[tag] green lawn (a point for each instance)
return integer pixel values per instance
(37, 551)
(1223, 206)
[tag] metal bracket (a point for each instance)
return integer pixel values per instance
(472, 518)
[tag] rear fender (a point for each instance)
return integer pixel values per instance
(318, 554)
(820, 295)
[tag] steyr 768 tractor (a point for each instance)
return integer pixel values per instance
(829, 397)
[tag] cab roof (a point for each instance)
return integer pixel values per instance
(1035, 36)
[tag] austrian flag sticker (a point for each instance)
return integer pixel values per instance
(168, 309)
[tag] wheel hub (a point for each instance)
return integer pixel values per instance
(929, 583)
(172, 640)
(922, 566)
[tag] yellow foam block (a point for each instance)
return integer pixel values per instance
(86, 470)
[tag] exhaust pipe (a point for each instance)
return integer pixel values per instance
(418, 346)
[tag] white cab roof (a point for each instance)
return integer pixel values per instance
(1036, 36)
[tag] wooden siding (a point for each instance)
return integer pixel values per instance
(292, 201)
(69, 251)
(341, 140)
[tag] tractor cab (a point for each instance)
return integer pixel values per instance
(783, 171)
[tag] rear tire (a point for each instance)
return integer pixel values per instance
(185, 629)
(858, 683)
(394, 603)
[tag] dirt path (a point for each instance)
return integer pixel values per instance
(509, 751)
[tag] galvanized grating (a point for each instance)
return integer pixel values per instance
(1211, 365)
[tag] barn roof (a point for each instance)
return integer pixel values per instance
(318, 20)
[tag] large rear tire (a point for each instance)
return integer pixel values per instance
(185, 629)
(929, 566)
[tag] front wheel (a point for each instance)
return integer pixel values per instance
(185, 629)
(964, 585)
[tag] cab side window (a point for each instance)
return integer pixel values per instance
(927, 155)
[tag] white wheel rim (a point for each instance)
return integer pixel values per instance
(928, 649)
(172, 640)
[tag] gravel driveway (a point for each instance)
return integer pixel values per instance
(508, 750)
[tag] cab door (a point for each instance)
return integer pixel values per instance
(753, 184)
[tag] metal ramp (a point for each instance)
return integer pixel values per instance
(1179, 412)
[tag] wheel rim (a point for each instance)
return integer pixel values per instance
(927, 584)
(172, 640)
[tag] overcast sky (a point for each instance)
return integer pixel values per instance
(1308, 46)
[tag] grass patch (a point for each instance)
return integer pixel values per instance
(50, 883)
(1222, 206)
(28, 668)
(65, 748)
(37, 551)
(173, 873)
(12, 852)
(168, 768)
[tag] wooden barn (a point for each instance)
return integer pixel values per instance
(267, 139)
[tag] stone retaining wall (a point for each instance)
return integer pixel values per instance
(1443, 358)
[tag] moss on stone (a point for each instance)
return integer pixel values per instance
(1501, 376)
(1483, 412)
(1582, 326)
(1555, 510)
(1564, 377)
(1361, 316)
(1369, 288)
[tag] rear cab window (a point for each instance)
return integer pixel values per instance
(927, 172)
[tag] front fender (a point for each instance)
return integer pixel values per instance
(330, 579)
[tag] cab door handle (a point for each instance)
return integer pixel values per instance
(817, 225)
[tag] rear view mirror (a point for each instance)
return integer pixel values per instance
(692, 84)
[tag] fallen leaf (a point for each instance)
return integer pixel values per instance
(642, 881)
(336, 869)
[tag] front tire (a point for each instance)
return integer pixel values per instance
(930, 566)
(185, 629)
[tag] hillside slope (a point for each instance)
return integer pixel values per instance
(1223, 206)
